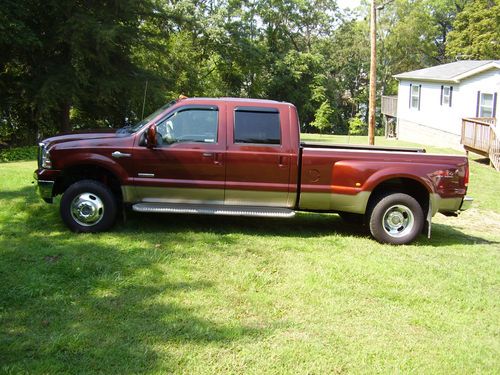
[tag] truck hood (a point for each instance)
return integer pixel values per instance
(84, 135)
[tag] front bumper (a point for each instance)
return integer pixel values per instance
(44, 188)
(466, 203)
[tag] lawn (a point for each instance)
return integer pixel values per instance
(204, 295)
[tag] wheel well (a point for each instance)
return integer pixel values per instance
(87, 172)
(402, 185)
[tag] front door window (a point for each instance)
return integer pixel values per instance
(189, 125)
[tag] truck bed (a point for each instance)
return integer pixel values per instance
(360, 147)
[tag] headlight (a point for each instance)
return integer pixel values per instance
(45, 161)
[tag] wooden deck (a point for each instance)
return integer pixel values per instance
(389, 110)
(481, 136)
(389, 105)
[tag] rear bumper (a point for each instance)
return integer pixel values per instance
(450, 206)
(466, 203)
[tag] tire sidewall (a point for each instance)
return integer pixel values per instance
(379, 209)
(98, 189)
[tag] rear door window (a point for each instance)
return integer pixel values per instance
(257, 125)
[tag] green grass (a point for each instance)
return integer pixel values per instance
(187, 294)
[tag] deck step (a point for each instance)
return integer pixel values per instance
(206, 209)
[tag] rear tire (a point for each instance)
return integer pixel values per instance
(88, 206)
(396, 219)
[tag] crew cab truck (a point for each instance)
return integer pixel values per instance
(230, 156)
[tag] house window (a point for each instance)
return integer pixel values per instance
(415, 97)
(446, 93)
(486, 105)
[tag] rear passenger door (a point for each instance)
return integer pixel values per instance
(258, 156)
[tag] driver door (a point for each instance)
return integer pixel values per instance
(187, 165)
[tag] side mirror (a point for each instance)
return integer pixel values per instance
(151, 136)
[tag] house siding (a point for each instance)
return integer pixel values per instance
(437, 124)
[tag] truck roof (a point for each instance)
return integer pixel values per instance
(231, 99)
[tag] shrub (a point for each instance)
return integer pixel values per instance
(357, 126)
(18, 154)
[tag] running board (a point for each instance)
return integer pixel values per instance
(206, 209)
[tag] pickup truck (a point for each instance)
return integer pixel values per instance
(231, 156)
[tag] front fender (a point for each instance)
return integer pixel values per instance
(73, 160)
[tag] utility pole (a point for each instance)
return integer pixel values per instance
(373, 74)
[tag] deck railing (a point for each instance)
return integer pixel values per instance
(495, 147)
(389, 105)
(480, 135)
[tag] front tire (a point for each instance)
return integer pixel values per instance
(88, 206)
(396, 219)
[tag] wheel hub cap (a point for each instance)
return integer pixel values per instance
(398, 220)
(87, 209)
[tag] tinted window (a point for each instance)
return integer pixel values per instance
(190, 125)
(257, 126)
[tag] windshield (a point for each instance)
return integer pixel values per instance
(143, 122)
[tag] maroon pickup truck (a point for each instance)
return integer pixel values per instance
(233, 156)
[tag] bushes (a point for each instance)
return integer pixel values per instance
(357, 126)
(18, 154)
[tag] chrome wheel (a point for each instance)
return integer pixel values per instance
(87, 209)
(398, 221)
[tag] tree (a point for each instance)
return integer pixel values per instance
(78, 56)
(413, 33)
(322, 118)
(476, 32)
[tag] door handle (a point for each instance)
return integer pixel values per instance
(118, 155)
(218, 159)
(282, 161)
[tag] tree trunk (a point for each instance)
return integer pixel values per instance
(64, 124)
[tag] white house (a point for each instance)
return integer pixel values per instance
(433, 101)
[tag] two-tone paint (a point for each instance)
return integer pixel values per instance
(308, 177)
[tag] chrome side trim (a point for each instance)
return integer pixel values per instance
(258, 198)
(145, 174)
(230, 197)
(335, 202)
(150, 194)
(127, 193)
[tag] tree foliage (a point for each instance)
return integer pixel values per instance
(77, 64)
(476, 32)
